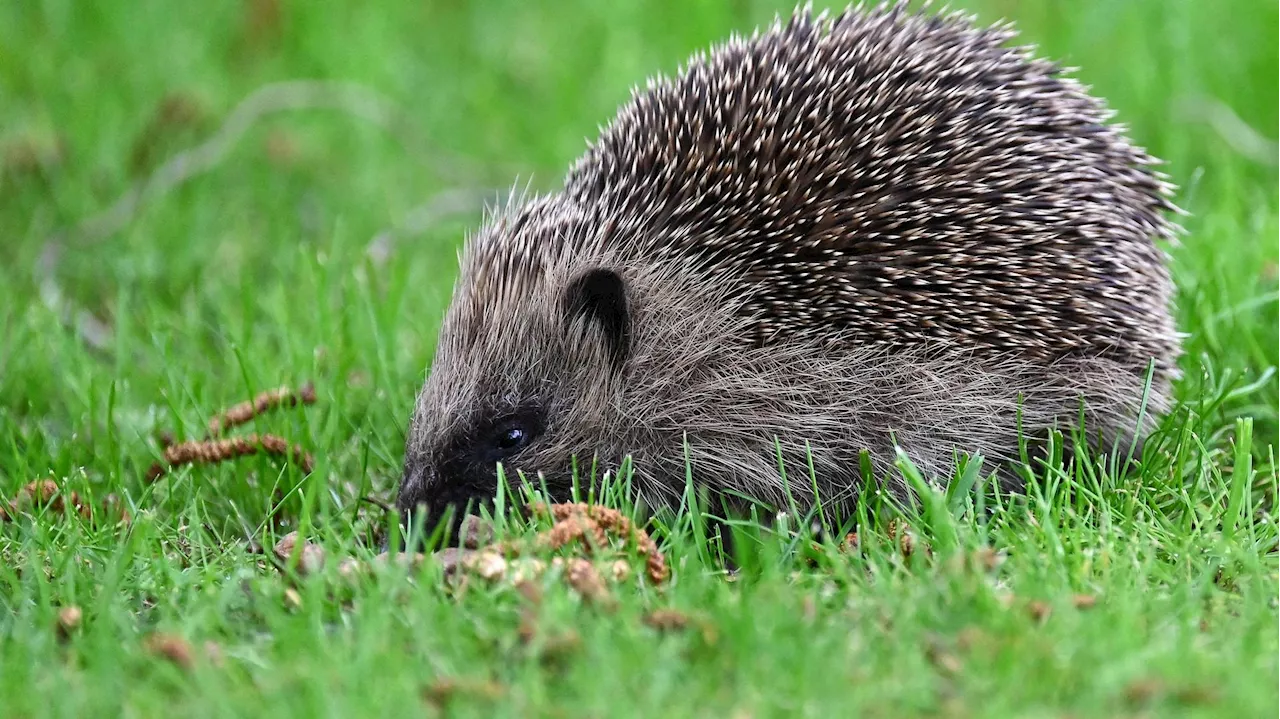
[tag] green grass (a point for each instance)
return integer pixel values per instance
(256, 274)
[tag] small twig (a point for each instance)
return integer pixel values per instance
(378, 503)
(221, 450)
(93, 331)
(439, 208)
(1231, 128)
(347, 97)
(265, 402)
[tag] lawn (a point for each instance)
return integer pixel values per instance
(343, 153)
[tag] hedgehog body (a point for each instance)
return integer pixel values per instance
(841, 234)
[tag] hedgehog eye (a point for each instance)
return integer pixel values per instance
(511, 436)
(508, 434)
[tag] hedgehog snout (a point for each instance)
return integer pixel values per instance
(436, 489)
(411, 500)
(426, 500)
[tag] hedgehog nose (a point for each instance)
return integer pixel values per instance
(411, 500)
(417, 524)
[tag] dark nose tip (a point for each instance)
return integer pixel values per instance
(422, 510)
(424, 526)
(413, 528)
(431, 508)
(411, 505)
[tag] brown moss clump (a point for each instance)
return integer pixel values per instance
(908, 545)
(576, 521)
(445, 689)
(591, 526)
(47, 494)
(221, 450)
(170, 647)
(585, 580)
(1039, 611)
(300, 555)
(670, 621)
(600, 533)
(475, 533)
(1084, 601)
(667, 620)
(69, 618)
(573, 528)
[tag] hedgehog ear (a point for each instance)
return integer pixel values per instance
(600, 296)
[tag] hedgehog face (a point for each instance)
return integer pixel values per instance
(514, 374)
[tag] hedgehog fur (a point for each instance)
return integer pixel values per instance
(883, 228)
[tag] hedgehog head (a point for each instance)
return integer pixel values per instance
(533, 338)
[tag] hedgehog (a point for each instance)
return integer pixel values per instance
(844, 238)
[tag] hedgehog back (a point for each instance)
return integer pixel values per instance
(900, 179)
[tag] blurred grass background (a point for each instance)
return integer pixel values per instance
(274, 266)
